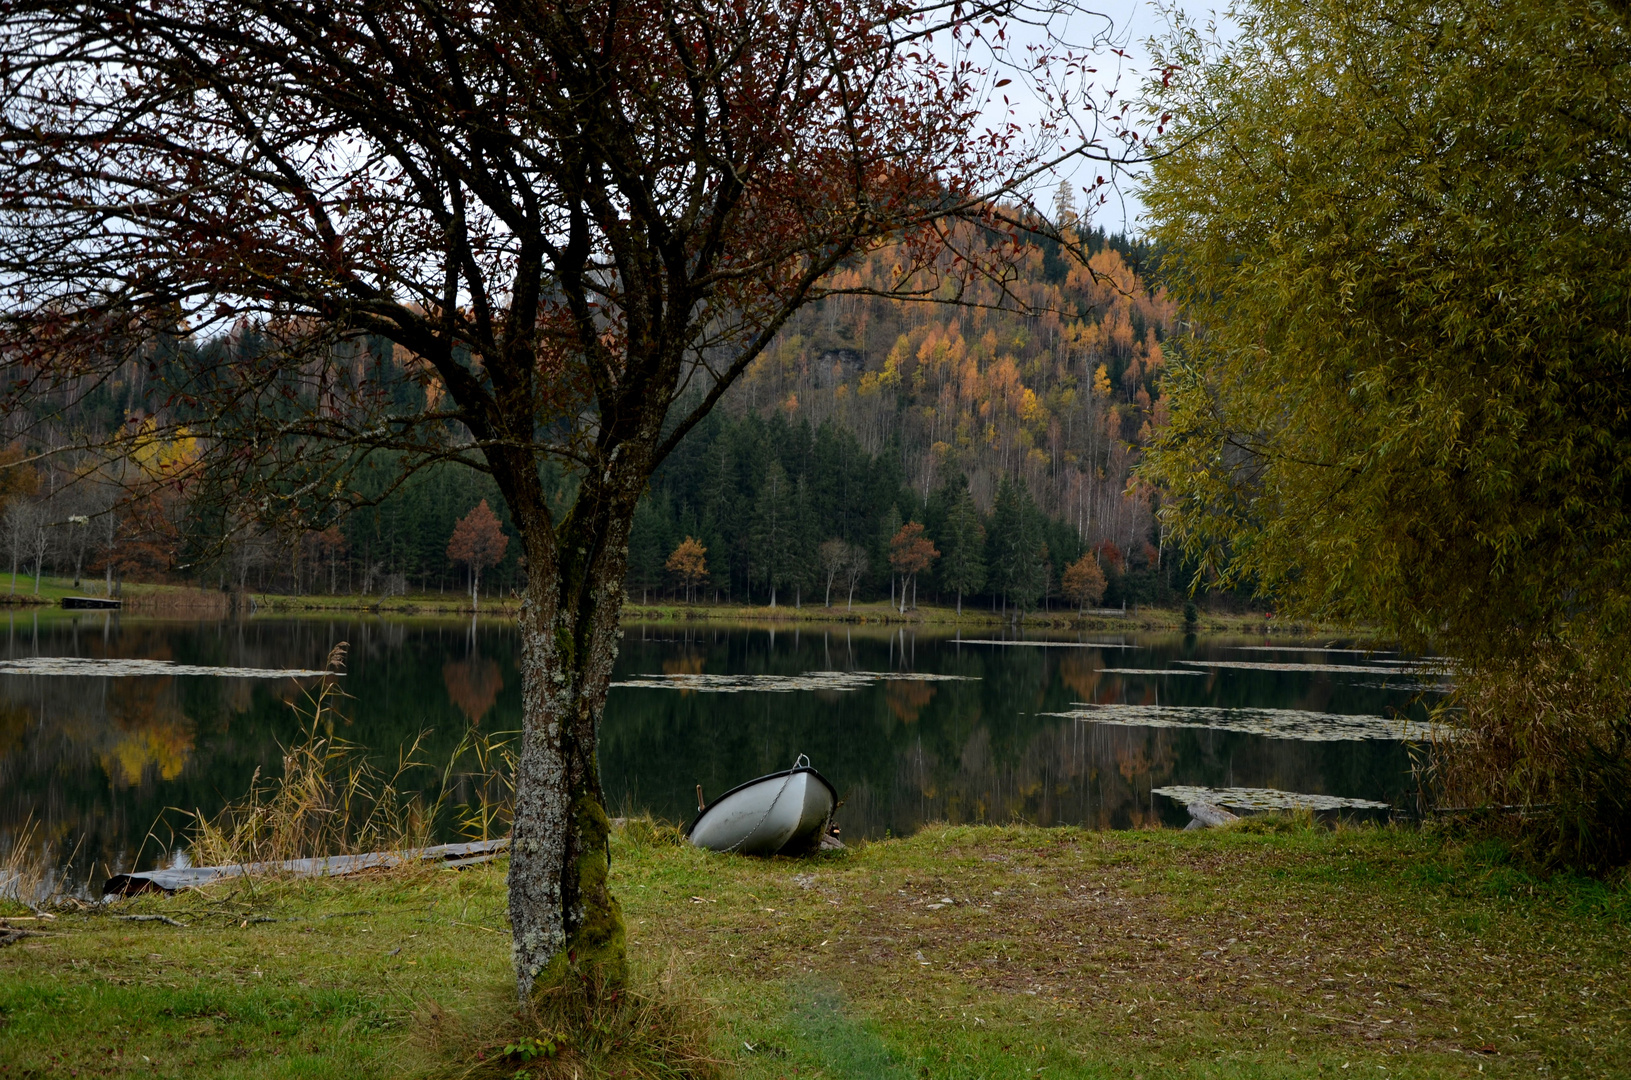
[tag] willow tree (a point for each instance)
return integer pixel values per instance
(529, 237)
(1401, 234)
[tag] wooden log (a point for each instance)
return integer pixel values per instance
(1209, 816)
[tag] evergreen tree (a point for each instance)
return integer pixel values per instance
(1029, 580)
(1002, 541)
(774, 529)
(962, 567)
(647, 543)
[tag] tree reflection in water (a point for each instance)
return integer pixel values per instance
(97, 760)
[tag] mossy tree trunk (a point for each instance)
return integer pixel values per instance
(566, 923)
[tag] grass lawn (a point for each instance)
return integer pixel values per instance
(960, 952)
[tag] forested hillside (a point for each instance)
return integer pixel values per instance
(873, 413)
(1004, 421)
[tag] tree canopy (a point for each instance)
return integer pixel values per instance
(1400, 235)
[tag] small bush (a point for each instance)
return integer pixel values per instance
(1540, 754)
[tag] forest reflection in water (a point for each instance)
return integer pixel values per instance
(912, 727)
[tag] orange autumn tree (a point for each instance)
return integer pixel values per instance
(910, 553)
(689, 565)
(1084, 582)
(478, 542)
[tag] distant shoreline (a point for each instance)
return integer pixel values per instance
(182, 601)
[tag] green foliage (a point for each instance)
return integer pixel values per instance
(962, 564)
(1402, 235)
(1016, 551)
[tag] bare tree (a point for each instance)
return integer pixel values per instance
(23, 525)
(833, 555)
(855, 568)
(576, 224)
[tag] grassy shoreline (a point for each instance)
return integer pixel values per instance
(1247, 952)
(185, 601)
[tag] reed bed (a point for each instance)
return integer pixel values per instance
(331, 797)
(27, 874)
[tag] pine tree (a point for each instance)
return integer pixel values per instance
(774, 523)
(1002, 541)
(962, 567)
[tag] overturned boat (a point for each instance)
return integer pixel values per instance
(783, 813)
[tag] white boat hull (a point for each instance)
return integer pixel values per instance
(782, 813)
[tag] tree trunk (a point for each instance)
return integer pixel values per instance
(959, 603)
(565, 922)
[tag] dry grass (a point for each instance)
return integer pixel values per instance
(1272, 949)
(656, 1027)
(1542, 754)
(330, 798)
(25, 867)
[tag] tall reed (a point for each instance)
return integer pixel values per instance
(330, 798)
(26, 871)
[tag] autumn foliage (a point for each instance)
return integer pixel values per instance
(689, 565)
(1083, 582)
(910, 553)
(478, 542)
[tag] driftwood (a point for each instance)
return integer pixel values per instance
(1208, 816)
(193, 876)
(165, 919)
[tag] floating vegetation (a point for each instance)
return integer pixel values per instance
(1046, 644)
(111, 668)
(1414, 687)
(810, 680)
(1149, 671)
(1255, 798)
(1413, 667)
(1310, 648)
(1271, 723)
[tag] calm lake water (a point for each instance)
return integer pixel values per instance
(912, 727)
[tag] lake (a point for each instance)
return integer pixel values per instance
(911, 726)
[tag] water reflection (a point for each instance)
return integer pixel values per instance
(95, 761)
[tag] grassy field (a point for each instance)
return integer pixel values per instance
(1269, 950)
(138, 596)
